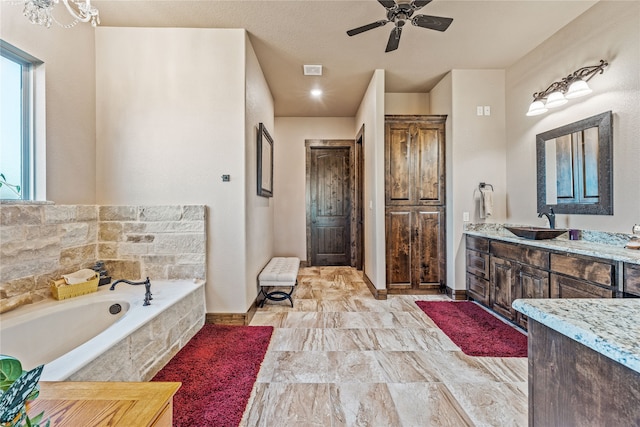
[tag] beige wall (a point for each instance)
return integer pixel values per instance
(371, 115)
(406, 103)
(290, 176)
(610, 30)
(259, 210)
(170, 122)
(476, 153)
(69, 67)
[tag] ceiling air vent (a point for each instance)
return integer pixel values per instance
(312, 70)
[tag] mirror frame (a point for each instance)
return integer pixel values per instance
(603, 122)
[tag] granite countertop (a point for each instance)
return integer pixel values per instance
(600, 245)
(607, 326)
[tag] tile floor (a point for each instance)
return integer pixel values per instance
(341, 358)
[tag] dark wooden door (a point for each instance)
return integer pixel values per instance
(330, 207)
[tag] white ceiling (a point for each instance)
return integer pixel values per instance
(288, 34)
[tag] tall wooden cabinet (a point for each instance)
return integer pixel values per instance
(415, 203)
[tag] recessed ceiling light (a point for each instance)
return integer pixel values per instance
(316, 92)
(312, 70)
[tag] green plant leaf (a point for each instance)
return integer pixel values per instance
(2, 176)
(10, 371)
(18, 188)
(13, 400)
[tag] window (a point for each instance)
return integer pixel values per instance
(16, 123)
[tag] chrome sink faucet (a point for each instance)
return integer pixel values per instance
(550, 216)
(147, 287)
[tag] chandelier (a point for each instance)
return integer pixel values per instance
(39, 12)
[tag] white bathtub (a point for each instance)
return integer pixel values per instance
(66, 336)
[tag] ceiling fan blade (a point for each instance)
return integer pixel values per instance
(366, 27)
(388, 4)
(417, 4)
(432, 22)
(394, 39)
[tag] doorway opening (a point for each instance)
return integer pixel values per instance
(335, 222)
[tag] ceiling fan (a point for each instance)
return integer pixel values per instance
(399, 12)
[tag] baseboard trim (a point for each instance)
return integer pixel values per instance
(457, 294)
(237, 319)
(380, 294)
(304, 264)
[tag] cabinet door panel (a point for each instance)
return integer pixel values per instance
(532, 283)
(503, 281)
(399, 168)
(430, 166)
(399, 247)
(632, 279)
(428, 247)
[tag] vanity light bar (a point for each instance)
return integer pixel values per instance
(558, 93)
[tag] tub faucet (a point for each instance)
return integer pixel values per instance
(550, 216)
(147, 287)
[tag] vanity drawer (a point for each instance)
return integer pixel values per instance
(585, 268)
(477, 243)
(478, 263)
(521, 253)
(632, 279)
(566, 287)
(478, 289)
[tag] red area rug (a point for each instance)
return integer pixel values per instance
(475, 331)
(217, 369)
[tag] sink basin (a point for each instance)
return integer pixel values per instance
(536, 233)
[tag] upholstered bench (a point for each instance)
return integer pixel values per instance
(279, 272)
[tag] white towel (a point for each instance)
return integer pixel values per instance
(486, 202)
(79, 276)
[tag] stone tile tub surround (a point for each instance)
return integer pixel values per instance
(592, 243)
(43, 241)
(132, 348)
(607, 326)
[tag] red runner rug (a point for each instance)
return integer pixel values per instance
(217, 369)
(475, 331)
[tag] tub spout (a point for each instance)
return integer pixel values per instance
(147, 287)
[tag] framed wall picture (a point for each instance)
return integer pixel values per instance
(265, 162)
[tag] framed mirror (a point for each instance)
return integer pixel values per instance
(265, 162)
(575, 167)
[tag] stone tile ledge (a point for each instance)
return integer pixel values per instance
(607, 326)
(592, 243)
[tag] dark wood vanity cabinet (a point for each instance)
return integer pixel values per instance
(499, 272)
